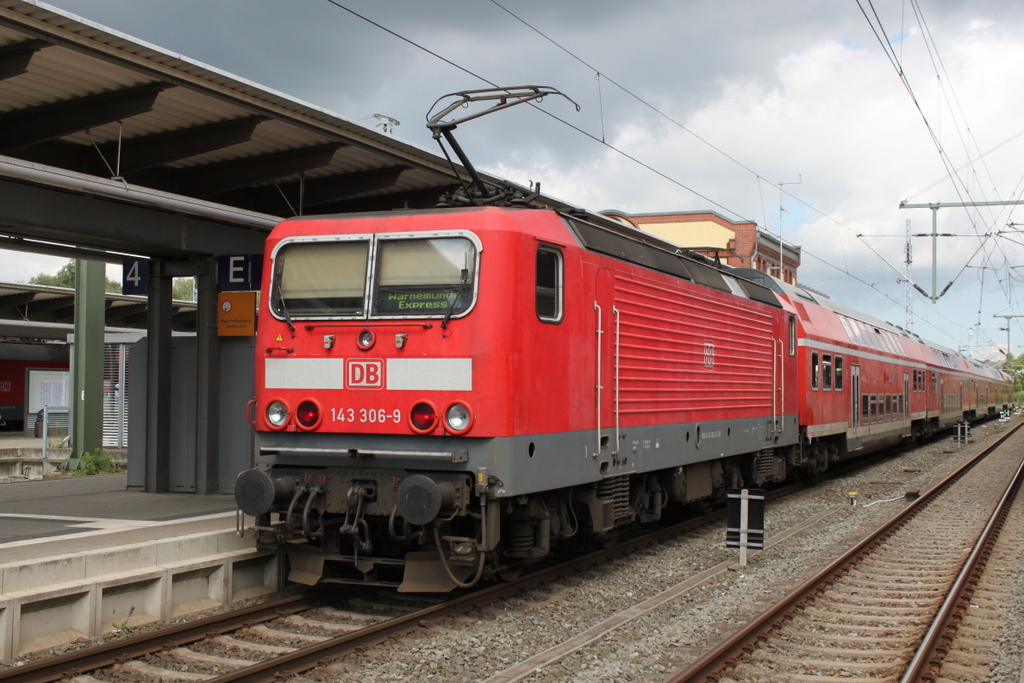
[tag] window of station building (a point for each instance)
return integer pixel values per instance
(792, 335)
(826, 371)
(839, 373)
(814, 369)
(549, 284)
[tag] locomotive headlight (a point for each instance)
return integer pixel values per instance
(277, 414)
(366, 340)
(458, 418)
(308, 415)
(423, 417)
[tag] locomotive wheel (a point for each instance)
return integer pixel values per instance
(609, 540)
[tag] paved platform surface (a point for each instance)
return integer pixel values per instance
(47, 517)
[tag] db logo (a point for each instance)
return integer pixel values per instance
(364, 374)
(709, 354)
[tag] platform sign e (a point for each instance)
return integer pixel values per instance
(135, 276)
(239, 273)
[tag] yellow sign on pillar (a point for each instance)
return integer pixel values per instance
(236, 314)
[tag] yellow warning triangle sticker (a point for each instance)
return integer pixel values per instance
(280, 338)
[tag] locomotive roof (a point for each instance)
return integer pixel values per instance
(615, 239)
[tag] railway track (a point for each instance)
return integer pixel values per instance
(890, 608)
(295, 635)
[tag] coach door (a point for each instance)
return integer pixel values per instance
(905, 400)
(855, 396)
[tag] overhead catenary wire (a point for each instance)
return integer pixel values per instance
(603, 76)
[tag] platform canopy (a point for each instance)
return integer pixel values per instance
(44, 312)
(109, 146)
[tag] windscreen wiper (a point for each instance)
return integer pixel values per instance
(458, 295)
(275, 287)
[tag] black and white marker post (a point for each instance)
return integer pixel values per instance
(745, 515)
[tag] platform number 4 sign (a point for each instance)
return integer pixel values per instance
(135, 276)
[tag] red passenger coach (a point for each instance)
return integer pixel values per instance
(866, 384)
(444, 395)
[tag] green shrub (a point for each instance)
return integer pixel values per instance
(97, 463)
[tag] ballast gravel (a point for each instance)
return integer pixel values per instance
(485, 643)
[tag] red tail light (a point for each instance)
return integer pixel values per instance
(423, 417)
(308, 415)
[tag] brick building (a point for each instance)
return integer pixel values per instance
(736, 244)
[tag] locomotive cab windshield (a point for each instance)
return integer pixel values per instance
(375, 276)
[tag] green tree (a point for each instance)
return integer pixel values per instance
(1014, 366)
(65, 277)
(183, 289)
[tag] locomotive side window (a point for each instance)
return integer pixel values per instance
(814, 370)
(424, 276)
(839, 373)
(549, 284)
(826, 371)
(792, 335)
(321, 278)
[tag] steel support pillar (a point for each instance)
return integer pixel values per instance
(207, 382)
(158, 381)
(87, 382)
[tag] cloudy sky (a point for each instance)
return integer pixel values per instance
(692, 105)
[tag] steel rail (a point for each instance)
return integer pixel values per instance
(108, 654)
(725, 654)
(927, 654)
(323, 653)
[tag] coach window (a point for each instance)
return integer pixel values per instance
(888, 407)
(935, 384)
(826, 371)
(864, 409)
(792, 335)
(874, 408)
(549, 284)
(839, 373)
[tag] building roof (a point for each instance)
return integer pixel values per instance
(84, 105)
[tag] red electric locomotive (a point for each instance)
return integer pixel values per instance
(443, 395)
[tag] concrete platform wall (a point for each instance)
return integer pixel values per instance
(56, 600)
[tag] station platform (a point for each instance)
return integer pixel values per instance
(82, 556)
